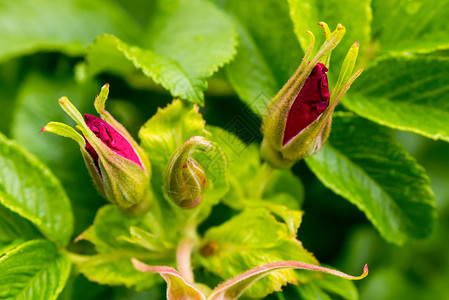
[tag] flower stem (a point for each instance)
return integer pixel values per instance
(183, 255)
(75, 258)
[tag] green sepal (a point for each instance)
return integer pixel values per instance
(120, 180)
(327, 32)
(273, 123)
(65, 131)
(346, 68)
(100, 102)
(311, 138)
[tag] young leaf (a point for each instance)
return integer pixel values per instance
(177, 286)
(373, 171)
(159, 139)
(239, 245)
(29, 189)
(252, 180)
(66, 26)
(116, 269)
(186, 42)
(411, 94)
(110, 231)
(233, 288)
(110, 234)
(33, 270)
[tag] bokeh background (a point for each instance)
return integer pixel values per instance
(41, 47)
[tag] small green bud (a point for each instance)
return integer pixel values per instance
(298, 119)
(184, 178)
(118, 166)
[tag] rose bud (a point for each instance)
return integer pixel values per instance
(298, 119)
(184, 178)
(118, 166)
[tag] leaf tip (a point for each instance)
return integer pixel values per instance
(63, 100)
(138, 265)
(365, 272)
(79, 238)
(363, 275)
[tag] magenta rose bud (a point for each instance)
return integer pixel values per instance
(309, 104)
(298, 119)
(111, 138)
(119, 167)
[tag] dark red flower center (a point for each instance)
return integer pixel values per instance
(111, 138)
(309, 104)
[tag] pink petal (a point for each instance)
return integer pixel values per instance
(111, 138)
(309, 104)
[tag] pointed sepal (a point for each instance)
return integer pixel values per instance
(298, 120)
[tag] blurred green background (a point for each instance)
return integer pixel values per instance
(41, 48)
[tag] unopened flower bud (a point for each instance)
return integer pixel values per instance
(298, 119)
(184, 178)
(118, 166)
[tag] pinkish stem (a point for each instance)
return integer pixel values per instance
(183, 254)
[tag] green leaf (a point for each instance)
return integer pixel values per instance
(114, 269)
(354, 15)
(67, 26)
(286, 183)
(13, 226)
(232, 289)
(110, 230)
(240, 244)
(365, 164)
(108, 53)
(411, 94)
(33, 270)
(327, 286)
(186, 42)
(310, 291)
(268, 53)
(168, 129)
(29, 189)
(177, 286)
(6, 247)
(419, 25)
(111, 236)
(36, 105)
(251, 179)
(338, 286)
(250, 75)
(256, 185)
